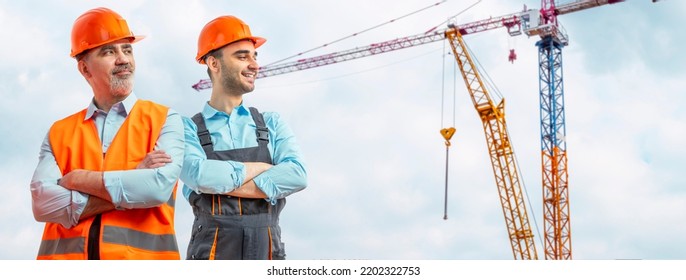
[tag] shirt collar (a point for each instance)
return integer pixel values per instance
(209, 112)
(127, 104)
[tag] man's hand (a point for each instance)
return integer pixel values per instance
(154, 159)
(248, 190)
(253, 169)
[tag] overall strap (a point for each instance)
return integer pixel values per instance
(203, 134)
(262, 131)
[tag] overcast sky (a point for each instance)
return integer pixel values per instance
(369, 128)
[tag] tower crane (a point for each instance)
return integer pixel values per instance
(544, 24)
(501, 152)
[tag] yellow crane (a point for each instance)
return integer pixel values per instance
(500, 149)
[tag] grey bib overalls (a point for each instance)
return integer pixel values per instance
(232, 228)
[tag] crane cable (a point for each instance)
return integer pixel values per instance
(352, 73)
(452, 17)
(447, 133)
(493, 88)
(355, 34)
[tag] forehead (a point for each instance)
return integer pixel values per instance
(123, 43)
(242, 45)
(119, 44)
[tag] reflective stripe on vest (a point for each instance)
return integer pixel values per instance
(139, 239)
(63, 246)
(125, 234)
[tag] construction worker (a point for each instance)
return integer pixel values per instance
(239, 164)
(106, 179)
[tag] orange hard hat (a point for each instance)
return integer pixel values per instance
(98, 27)
(222, 31)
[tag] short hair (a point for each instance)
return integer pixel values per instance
(81, 55)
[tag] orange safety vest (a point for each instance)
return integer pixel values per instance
(146, 233)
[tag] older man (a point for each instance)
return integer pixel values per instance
(106, 179)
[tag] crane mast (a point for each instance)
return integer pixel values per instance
(501, 152)
(543, 23)
(554, 176)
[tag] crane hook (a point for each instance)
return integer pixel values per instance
(447, 134)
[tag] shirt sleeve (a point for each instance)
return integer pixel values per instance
(288, 175)
(145, 188)
(50, 201)
(202, 175)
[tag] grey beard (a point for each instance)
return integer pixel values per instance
(121, 86)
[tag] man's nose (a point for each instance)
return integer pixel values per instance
(253, 65)
(122, 57)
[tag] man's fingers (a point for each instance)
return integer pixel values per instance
(158, 155)
(166, 159)
(155, 159)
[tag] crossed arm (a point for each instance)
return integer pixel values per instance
(246, 179)
(93, 184)
(69, 198)
(249, 189)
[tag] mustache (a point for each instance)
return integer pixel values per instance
(121, 68)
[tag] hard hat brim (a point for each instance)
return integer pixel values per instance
(137, 38)
(259, 41)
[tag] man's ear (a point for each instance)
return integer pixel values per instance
(83, 69)
(212, 63)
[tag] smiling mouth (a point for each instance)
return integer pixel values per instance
(250, 75)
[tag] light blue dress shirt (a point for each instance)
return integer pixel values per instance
(137, 188)
(234, 131)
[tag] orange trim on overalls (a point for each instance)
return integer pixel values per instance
(240, 207)
(213, 251)
(269, 230)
